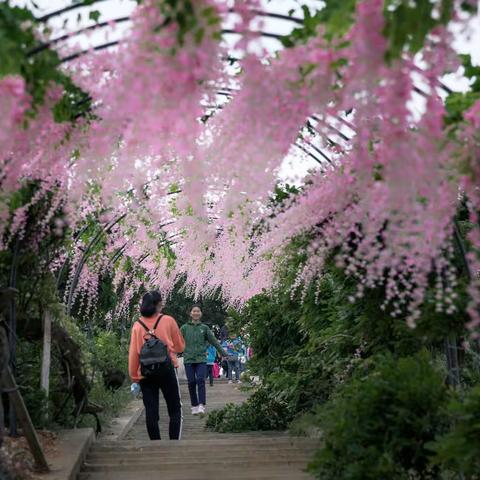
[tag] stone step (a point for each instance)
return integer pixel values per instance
(201, 454)
(228, 449)
(187, 458)
(215, 464)
(203, 474)
(216, 381)
(191, 437)
(197, 451)
(160, 450)
(230, 443)
(258, 437)
(168, 446)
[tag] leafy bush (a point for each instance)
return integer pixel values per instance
(260, 412)
(56, 412)
(304, 350)
(379, 425)
(29, 357)
(458, 450)
(110, 353)
(112, 402)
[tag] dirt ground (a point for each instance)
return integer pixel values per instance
(16, 461)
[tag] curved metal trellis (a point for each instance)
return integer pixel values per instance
(309, 148)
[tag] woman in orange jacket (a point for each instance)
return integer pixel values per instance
(157, 373)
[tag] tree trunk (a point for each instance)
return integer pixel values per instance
(47, 346)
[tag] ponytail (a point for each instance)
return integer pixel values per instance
(150, 302)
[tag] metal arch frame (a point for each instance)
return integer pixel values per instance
(228, 92)
(63, 10)
(224, 31)
(75, 6)
(44, 46)
(258, 13)
(105, 229)
(454, 372)
(78, 270)
(114, 43)
(119, 253)
(297, 143)
(67, 36)
(107, 23)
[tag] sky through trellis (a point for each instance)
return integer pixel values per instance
(308, 152)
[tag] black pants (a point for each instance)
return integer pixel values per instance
(225, 368)
(168, 384)
(210, 373)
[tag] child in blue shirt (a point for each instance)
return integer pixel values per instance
(211, 355)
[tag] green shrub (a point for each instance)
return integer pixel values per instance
(379, 424)
(57, 411)
(110, 353)
(458, 450)
(29, 357)
(303, 350)
(112, 403)
(260, 412)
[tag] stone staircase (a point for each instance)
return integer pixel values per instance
(200, 454)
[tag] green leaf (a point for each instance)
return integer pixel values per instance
(457, 103)
(94, 15)
(336, 18)
(407, 23)
(22, 53)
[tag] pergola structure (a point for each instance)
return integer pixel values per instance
(79, 33)
(313, 141)
(277, 20)
(88, 37)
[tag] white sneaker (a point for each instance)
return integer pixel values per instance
(239, 381)
(195, 410)
(230, 381)
(201, 409)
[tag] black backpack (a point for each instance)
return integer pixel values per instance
(154, 357)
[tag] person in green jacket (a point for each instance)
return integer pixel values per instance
(197, 338)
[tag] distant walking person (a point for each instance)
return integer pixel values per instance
(224, 332)
(234, 349)
(197, 338)
(152, 359)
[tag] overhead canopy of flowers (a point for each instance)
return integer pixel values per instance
(181, 136)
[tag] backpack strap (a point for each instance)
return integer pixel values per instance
(143, 325)
(158, 321)
(150, 332)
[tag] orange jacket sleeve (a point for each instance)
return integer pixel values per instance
(177, 337)
(133, 356)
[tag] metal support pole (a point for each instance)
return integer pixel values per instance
(453, 367)
(16, 400)
(12, 335)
